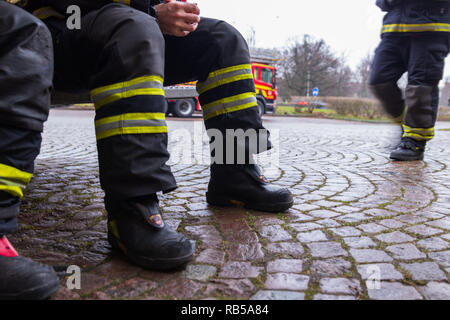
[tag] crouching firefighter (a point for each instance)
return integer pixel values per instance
(415, 39)
(123, 56)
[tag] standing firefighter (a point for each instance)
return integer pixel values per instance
(123, 53)
(415, 39)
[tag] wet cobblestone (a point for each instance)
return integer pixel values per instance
(355, 211)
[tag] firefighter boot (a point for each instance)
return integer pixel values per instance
(136, 227)
(244, 184)
(22, 278)
(409, 150)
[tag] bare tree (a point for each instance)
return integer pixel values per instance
(310, 63)
(343, 79)
(362, 75)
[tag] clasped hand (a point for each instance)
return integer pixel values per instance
(177, 18)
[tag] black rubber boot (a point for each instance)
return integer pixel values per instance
(246, 186)
(136, 228)
(22, 278)
(409, 150)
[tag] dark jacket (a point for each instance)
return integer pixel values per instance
(414, 16)
(60, 6)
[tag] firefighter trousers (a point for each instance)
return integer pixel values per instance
(422, 56)
(26, 70)
(121, 57)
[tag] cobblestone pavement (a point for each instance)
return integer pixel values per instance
(357, 216)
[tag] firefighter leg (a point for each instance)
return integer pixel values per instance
(426, 67)
(119, 56)
(388, 66)
(25, 80)
(422, 94)
(217, 56)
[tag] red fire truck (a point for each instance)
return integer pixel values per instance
(264, 75)
(183, 99)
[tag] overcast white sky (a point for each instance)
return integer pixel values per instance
(351, 27)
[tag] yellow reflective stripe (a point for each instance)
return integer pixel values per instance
(13, 180)
(417, 136)
(229, 104)
(131, 130)
(13, 174)
(126, 2)
(405, 127)
(46, 12)
(227, 100)
(12, 183)
(225, 81)
(126, 84)
(131, 123)
(229, 69)
(426, 27)
(418, 133)
(222, 78)
(229, 110)
(145, 85)
(129, 94)
(13, 190)
(131, 116)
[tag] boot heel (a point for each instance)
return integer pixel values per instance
(217, 200)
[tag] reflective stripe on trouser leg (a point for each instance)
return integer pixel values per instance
(131, 135)
(145, 85)
(221, 81)
(229, 104)
(423, 27)
(421, 134)
(422, 104)
(129, 123)
(13, 181)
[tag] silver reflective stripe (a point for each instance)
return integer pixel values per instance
(129, 124)
(143, 85)
(6, 182)
(229, 105)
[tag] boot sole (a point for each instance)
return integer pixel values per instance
(149, 263)
(37, 293)
(223, 201)
(407, 158)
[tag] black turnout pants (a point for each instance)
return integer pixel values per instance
(26, 70)
(422, 56)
